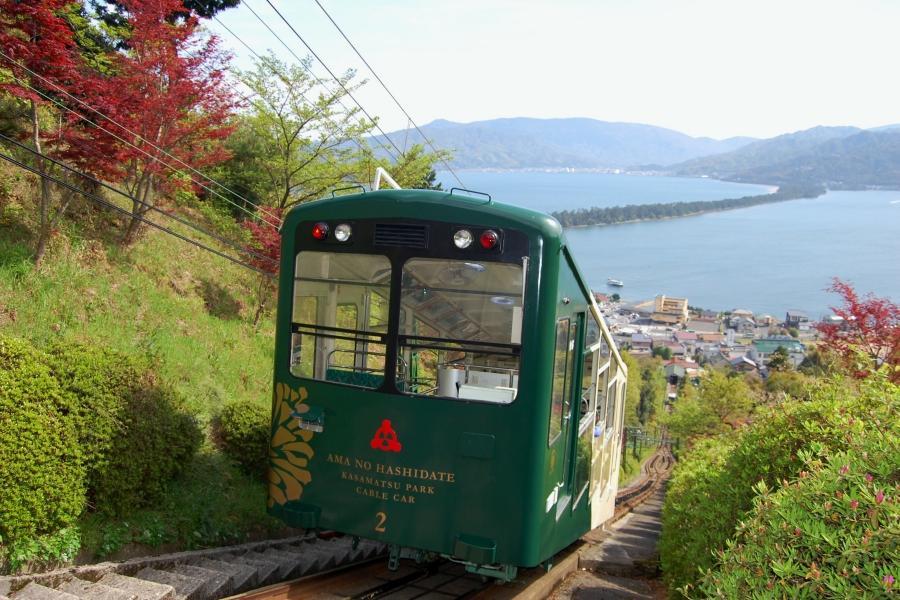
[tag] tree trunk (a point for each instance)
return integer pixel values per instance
(45, 198)
(139, 208)
(263, 292)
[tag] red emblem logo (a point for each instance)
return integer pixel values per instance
(385, 438)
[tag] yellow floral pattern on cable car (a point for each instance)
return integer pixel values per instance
(289, 449)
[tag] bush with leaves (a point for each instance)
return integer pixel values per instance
(711, 493)
(244, 431)
(96, 381)
(723, 401)
(694, 487)
(134, 433)
(42, 480)
(831, 533)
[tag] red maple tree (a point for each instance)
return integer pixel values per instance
(265, 241)
(40, 54)
(167, 99)
(868, 333)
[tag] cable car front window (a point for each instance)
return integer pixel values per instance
(340, 317)
(460, 329)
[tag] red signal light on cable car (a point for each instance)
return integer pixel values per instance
(489, 239)
(320, 231)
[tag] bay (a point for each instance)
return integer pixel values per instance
(768, 258)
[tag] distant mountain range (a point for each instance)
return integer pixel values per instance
(522, 143)
(838, 157)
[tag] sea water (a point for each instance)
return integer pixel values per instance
(768, 258)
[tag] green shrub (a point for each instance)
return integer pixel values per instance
(133, 430)
(42, 481)
(711, 492)
(693, 513)
(831, 533)
(98, 381)
(244, 431)
(159, 439)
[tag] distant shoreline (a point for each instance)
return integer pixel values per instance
(637, 213)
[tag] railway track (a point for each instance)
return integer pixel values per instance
(292, 569)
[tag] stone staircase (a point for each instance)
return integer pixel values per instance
(203, 575)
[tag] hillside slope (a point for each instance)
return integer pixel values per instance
(185, 312)
(839, 157)
(760, 153)
(517, 143)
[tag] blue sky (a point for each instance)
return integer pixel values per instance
(705, 67)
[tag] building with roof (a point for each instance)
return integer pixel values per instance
(742, 364)
(669, 310)
(703, 324)
(763, 348)
(711, 338)
(795, 318)
(640, 344)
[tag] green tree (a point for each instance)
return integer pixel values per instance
(728, 398)
(415, 168)
(298, 144)
(720, 403)
(663, 352)
(652, 392)
(632, 391)
(779, 360)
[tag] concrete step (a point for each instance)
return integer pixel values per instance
(186, 588)
(307, 561)
(324, 554)
(35, 591)
(371, 549)
(216, 584)
(144, 590)
(287, 562)
(94, 591)
(242, 577)
(266, 570)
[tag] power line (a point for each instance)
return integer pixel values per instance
(394, 98)
(333, 76)
(183, 221)
(108, 204)
(304, 66)
(291, 91)
(149, 143)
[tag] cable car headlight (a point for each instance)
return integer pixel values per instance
(342, 232)
(462, 238)
(489, 239)
(320, 231)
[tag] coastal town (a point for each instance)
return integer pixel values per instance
(690, 339)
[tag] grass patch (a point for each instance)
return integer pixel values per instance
(630, 467)
(185, 312)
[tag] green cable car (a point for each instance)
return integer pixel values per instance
(444, 381)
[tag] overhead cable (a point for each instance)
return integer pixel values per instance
(149, 143)
(394, 98)
(108, 204)
(333, 76)
(124, 194)
(305, 67)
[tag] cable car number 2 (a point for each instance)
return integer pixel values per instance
(382, 519)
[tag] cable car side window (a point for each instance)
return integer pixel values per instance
(558, 393)
(460, 329)
(340, 315)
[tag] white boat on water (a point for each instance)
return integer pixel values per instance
(614, 282)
